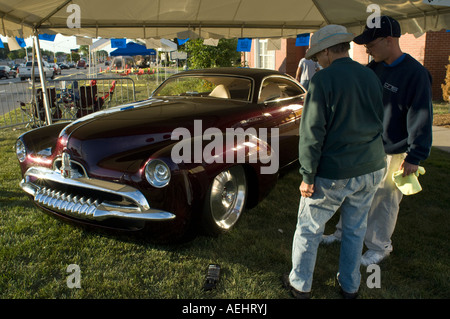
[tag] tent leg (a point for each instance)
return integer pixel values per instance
(33, 77)
(90, 61)
(48, 113)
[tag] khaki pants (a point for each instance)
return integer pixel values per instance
(383, 213)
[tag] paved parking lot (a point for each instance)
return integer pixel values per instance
(441, 138)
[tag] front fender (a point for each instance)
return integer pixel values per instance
(41, 145)
(200, 158)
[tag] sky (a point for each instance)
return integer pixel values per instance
(61, 44)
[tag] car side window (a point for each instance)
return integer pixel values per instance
(222, 87)
(275, 88)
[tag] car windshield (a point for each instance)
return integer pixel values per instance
(215, 86)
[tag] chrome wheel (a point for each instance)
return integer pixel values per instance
(226, 199)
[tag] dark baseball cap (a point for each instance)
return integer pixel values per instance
(389, 27)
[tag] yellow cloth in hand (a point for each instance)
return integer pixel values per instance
(408, 185)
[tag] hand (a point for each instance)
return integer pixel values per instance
(408, 168)
(306, 190)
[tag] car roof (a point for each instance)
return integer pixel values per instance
(249, 72)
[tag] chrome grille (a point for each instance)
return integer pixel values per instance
(66, 203)
(88, 198)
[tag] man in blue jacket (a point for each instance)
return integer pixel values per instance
(407, 133)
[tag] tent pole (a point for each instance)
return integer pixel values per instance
(33, 77)
(157, 68)
(48, 114)
(89, 60)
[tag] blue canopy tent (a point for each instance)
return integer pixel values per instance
(123, 55)
(132, 49)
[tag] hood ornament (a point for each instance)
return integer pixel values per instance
(65, 166)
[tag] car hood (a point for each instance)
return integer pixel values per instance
(123, 138)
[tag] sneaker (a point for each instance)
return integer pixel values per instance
(373, 257)
(296, 293)
(345, 294)
(329, 239)
(348, 295)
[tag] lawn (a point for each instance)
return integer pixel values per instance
(441, 116)
(36, 249)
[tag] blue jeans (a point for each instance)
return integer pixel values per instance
(353, 196)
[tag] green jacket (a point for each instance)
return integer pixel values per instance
(342, 123)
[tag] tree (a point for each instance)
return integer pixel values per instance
(84, 50)
(446, 86)
(17, 54)
(74, 57)
(204, 56)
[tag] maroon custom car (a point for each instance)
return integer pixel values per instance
(207, 144)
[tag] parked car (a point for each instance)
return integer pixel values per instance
(151, 166)
(81, 64)
(72, 65)
(63, 66)
(26, 70)
(7, 72)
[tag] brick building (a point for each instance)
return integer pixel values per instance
(284, 60)
(432, 49)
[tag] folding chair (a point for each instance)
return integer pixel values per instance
(89, 101)
(36, 110)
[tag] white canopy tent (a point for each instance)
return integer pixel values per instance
(210, 18)
(156, 19)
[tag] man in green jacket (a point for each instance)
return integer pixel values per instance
(341, 156)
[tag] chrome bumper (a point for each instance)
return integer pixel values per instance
(132, 206)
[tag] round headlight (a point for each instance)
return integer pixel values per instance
(21, 151)
(157, 173)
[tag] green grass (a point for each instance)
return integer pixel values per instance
(36, 249)
(441, 107)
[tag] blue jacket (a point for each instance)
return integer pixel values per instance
(408, 110)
